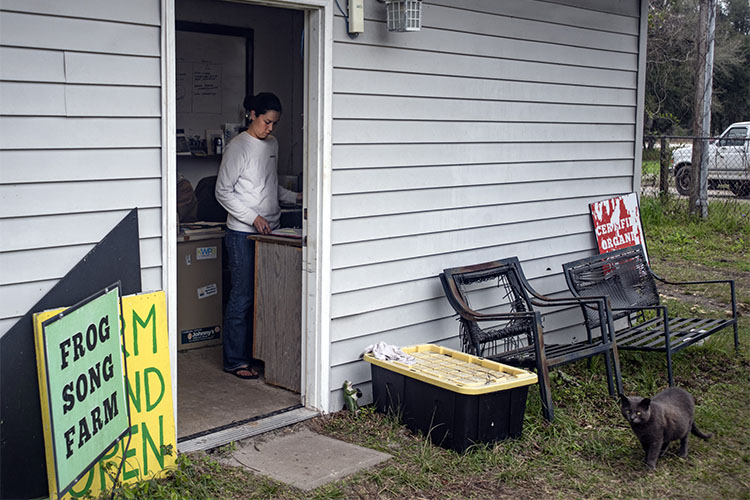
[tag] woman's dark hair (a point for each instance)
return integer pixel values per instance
(261, 103)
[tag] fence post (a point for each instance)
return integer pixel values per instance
(702, 118)
(663, 168)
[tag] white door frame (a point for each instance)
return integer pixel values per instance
(318, 70)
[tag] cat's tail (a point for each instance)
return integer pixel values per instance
(695, 430)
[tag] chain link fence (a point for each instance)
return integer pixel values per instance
(667, 167)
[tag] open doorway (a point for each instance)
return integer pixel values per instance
(224, 51)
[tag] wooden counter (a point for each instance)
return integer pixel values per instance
(277, 335)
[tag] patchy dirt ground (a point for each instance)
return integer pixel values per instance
(705, 297)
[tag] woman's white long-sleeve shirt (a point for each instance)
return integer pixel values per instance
(248, 183)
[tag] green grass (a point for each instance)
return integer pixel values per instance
(650, 167)
(588, 451)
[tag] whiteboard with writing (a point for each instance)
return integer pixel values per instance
(211, 76)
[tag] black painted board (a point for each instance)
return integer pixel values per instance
(23, 472)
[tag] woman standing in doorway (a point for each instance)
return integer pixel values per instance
(248, 188)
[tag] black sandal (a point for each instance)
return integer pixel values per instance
(236, 373)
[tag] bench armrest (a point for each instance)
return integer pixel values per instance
(575, 300)
(476, 316)
(707, 282)
(639, 308)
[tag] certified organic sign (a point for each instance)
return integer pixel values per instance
(617, 223)
(82, 386)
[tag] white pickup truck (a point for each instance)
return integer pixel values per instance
(728, 162)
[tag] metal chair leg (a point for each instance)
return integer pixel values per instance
(618, 375)
(669, 368)
(548, 410)
(608, 368)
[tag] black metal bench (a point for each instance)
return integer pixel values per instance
(626, 278)
(514, 336)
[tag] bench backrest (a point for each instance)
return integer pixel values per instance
(622, 275)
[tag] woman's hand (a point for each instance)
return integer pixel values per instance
(262, 225)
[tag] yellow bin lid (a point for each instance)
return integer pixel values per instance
(457, 371)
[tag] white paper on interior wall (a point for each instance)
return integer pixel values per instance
(206, 88)
(184, 87)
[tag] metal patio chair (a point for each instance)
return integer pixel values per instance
(514, 335)
(626, 278)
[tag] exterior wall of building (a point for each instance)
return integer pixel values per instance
(482, 136)
(80, 139)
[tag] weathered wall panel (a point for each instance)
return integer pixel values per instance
(484, 135)
(80, 138)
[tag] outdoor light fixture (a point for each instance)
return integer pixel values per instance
(404, 15)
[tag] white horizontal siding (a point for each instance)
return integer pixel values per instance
(374, 204)
(59, 132)
(132, 11)
(483, 136)
(42, 99)
(387, 297)
(495, 46)
(364, 57)
(50, 231)
(15, 300)
(431, 330)
(88, 100)
(31, 99)
(460, 87)
(151, 279)
(411, 154)
(58, 165)
(410, 224)
(31, 65)
(367, 323)
(370, 107)
(363, 132)
(602, 17)
(508, 26)
(112, 69)
(80, 139)
(366, 180)
(558, 239)
(65, 33)
(14, 268)
(350, 255)
(24, 200)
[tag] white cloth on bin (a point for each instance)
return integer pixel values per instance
(388, 352)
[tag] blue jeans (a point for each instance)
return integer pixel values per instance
(238, 318)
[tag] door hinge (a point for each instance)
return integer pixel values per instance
(304, 241)
(304, 213)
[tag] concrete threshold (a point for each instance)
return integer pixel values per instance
(246, 430)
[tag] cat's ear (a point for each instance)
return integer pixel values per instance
(645, 403)
(624, 399)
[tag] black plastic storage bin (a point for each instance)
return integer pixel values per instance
(455, 398)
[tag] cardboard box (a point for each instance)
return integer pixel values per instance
(199, 291)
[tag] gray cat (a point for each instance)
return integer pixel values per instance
(659, 420)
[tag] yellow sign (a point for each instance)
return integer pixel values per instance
(153, 443)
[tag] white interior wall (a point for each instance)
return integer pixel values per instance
(277, 68)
